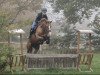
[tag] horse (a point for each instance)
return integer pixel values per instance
(40, 36)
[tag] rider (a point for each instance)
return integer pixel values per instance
(40, 15)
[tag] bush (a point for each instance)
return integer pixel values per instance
(5, 52)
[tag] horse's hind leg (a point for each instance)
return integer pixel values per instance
(29, 47)
(36, 49)
(29, 50)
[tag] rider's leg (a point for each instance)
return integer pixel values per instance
(32, 29)
(34, 26)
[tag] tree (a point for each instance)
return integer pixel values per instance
(11, 12)
(76, 10)
(15, 8)
(96, 28)
(70, 35)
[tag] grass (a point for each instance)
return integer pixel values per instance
(95, 67)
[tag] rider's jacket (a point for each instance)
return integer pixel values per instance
(40, 16)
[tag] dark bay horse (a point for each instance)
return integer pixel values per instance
(39, 37)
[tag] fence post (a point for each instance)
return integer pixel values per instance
(21, 45)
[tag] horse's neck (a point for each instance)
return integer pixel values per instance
(42, 29)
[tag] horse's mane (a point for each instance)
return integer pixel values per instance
(43, 19)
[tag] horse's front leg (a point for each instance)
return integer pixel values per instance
(48, 40)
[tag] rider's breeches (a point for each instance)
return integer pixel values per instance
(33, 26)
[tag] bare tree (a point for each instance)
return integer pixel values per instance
(13, 8)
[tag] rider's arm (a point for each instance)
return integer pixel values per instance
(37, 18)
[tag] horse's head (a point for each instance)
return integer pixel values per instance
(44, 24)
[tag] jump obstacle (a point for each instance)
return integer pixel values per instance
(45, 61)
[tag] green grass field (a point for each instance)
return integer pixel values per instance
(95, 67)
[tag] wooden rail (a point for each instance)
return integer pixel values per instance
(45, 61)
(11, 43)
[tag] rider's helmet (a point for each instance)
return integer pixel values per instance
(44, 10)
